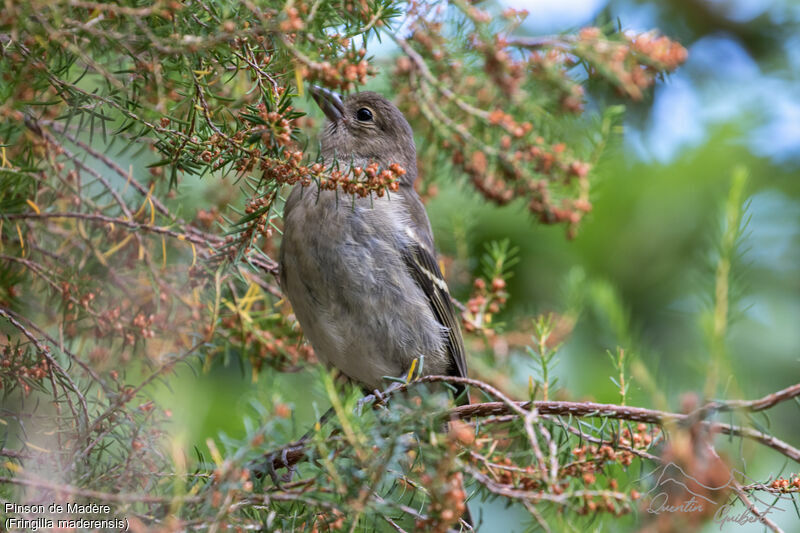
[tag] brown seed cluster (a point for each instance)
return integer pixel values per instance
(508, 151)
(278, 129)
(447, 505)
(277, 345)
(344, 73)
(485, 301)
(108, 322)
(517, 163)
(640, 439)
(205, 218)
(259, 224)
(790, 484)
(358, 181)
(587, 468)
(633, 62)
(293, 21)
(142, 324)
(507, 72)
(20, 366)
(330, 521)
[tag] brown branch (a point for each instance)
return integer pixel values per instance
(753, 509)
(86, 368)
(617, 445)
(770, 400)
(36, 128)
(292, 453)
(113, 166)
(109, 220)
(50, 360)
(5, 452)
(764, 438)
(263, 263)
(422, 67)
(541, 495)
(580, 409)
(191, 234)
(564, 42)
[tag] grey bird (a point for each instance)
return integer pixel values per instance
(361, 273)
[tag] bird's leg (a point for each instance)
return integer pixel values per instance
(290, 468)
(269, 468)
(270, 458)
(382, 396)
(377, 397)
(369, 398)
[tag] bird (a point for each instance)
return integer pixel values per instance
(361, 272)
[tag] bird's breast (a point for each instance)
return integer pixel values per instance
(350, 289)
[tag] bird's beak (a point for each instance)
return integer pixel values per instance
(329, 101)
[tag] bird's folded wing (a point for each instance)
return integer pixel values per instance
(428, 276)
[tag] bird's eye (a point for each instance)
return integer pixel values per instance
(364, 114)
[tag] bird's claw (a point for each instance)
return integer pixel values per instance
(290, 468)
(362, 402)
(376, 399)
(273, 473)
(379, 397)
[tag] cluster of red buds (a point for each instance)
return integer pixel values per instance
(71, 295)
(18, 363)
(274, 127)
(786, 484)
(634, 62)
(507, 473)
(506, 72)
(142, 324)
(485, 301)
(498, 117)
(349, 70)
(261, 222)
(589, 460)
(111, 322)
(359, 181)
(448, 503)
(519, 15)
(325, 522)
(205, 218)
(506, 180)
(289, 170)
(293, 21)
(507, 157)
(660, 49)
(279, 346)
(286, 170)
(355, 181)
(108, 322)
(611, 501)
(641, 438)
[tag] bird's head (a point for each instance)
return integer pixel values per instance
(365, 127)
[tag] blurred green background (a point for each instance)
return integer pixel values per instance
(641, 272)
